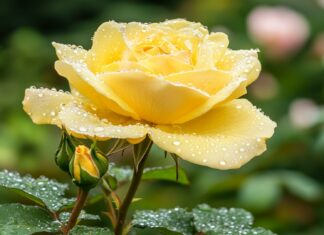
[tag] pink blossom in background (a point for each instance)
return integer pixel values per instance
(282, 31)
(303, 112)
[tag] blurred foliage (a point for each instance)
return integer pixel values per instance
(283, 188)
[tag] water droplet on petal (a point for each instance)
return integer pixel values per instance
(176, 143)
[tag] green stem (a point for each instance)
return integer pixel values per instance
(137, 175)
(81, 199)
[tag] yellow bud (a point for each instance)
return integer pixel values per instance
(85, 168)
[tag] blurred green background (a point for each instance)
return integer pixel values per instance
(283, 188)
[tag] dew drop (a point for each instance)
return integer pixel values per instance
(52, 114)
(238, 106)
(83, 129)
(98, 129)
(176, 143)
(222, 162)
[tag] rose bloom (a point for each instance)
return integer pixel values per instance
(172, 81)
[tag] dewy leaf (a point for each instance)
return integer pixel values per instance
(166, 173)
(225, 221)
(176, 220)
(64, 216)
(120, 173)
(25, 220)
(84, 230)
(45, 192)
(140, 150)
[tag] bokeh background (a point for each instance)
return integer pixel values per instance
(283, 188)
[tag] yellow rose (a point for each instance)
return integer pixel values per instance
(173, 81)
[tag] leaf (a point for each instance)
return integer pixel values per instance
(64, 216)
(260, 192)
(225, 221)
(140, 150)
(21, 219)
(176, 220)
(302, 185)
(85, 230)
(166, 173)
(44, 192)
(121, 174)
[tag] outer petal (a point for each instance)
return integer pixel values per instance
(108, 45)
(70, 52)
(62, 109)
(221, 96)
(226, 137)
(241, 63)
(85, 82)
(154, 100)
(84, 124)
(43, 105)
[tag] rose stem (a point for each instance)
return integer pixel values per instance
(137, 175)
(81, 199)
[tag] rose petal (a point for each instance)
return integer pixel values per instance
(108, 45)
(222, 96)
(85, 82)
(43, 105)
(225, 138)
(166, 64)
(154, 100)
(62, 109)
(210, 81)
(70, 52)
(84, 124)
(242, 63)
(211, 50)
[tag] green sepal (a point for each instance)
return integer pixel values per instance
(99, 159)
(64, 152)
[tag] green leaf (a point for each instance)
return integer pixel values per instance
(176, 220)
(260, 192)
(84, 230)
(302, 185)
(121, 174)
(64, 216)
(44, 192)
(166, 173)
(140, 150)
(21, 219)
(225, 221)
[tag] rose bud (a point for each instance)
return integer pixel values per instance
(64, 152)
(87, 166)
